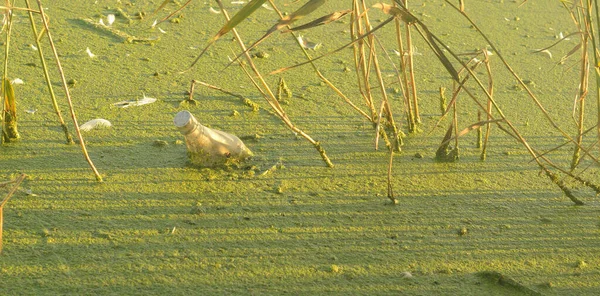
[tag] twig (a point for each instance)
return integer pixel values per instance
(67, 93)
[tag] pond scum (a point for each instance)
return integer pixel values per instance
(471, 75)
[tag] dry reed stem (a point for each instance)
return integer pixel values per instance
(489, 103)
(270, 97)
(67, 93)
(521, 83)
(61, 121)
(318, 72)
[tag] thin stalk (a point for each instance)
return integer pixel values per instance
(580, 102)
(68, 136)
(67, 93)
(360, 61)
(318, 72)
(411, 71)
(404, 78)
(489, 104)
(596, 63)
(516, 76)
(270, 97)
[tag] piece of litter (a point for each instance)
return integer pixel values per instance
(95, 123)
(162, 31)
(406, 274)
(33, 47)
(238, 2)
(110, 19)
(89, 52)
(307, 44)
(396, 52)
(214, 10)
(267, 6)
(17, 81)
(154, 24)
(31, 111)
(144, 101)
(27, 191)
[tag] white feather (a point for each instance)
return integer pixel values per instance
(95, 123)
(214, 10)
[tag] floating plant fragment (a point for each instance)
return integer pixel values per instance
(31, 111)
(267, 6)
(307, 44)
(95, 123)
(144, 101)
(214, 10)
(89, 52)
(238, 2)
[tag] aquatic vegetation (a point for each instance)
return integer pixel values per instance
(365, 42)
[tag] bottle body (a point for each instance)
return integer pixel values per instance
(209, 147)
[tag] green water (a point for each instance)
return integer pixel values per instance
(156, 225)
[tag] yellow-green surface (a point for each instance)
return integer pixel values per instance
(158, 226)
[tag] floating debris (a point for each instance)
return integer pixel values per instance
(95, 123)
(396, 52)
(212, 10)
(89, 52)
(33, 47)
(406, 274)
(126, 37)
(162, 31)
(110, 19)
(17, 81)
(267, 7)
(544, 51)
(238, 2)
(208, 147)
(307, 44)
(31, 111)
(154, 24)
(144, 101)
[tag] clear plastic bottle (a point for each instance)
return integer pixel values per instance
(209, 147)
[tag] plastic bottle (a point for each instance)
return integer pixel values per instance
(209, 147)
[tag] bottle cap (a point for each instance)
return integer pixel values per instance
(185, 121)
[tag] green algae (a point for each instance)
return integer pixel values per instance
(157, 226)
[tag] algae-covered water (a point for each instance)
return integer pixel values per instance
(284, 223)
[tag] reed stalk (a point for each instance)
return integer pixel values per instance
(67, 93)
(271, 98)
(61, 121)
